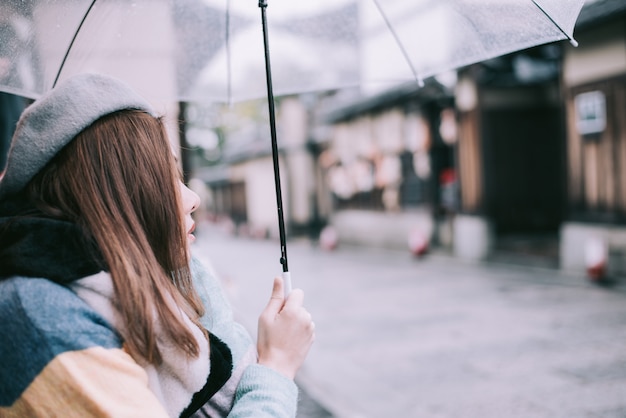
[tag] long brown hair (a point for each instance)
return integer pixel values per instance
(118, 180)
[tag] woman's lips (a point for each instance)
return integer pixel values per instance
(190, 234)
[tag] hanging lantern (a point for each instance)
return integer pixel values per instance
(447, 127)
(417, 133)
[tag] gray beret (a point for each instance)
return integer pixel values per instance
(53, 120)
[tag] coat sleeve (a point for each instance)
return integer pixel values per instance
(260, 391)
(62, 359)
(264, 393)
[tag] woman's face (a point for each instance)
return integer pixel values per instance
(191, 201)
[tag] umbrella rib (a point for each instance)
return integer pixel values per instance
(69, 48)
(571, 40)
(417, 77)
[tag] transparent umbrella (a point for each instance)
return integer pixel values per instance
(212, 50)
(219, 50)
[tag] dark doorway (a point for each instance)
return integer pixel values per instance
(524, 175)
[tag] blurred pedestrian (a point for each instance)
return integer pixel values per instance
(103, 309)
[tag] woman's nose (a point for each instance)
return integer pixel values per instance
(191, 200)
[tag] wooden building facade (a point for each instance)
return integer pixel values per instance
(594, 80)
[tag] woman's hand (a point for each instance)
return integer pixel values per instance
(286, 331)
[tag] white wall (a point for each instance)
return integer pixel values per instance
(258, 176)
(300, 175)
(381, 229)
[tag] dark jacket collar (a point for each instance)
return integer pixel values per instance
(35, 245)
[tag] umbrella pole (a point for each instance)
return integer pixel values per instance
(272, 113)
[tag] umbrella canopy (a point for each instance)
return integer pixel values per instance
(212, 50)
(215, 51)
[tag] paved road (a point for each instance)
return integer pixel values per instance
(436, 337)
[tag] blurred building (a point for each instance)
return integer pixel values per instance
(388, 164)
(511, 157)
(594, 88)
(521, 158)
(522, 162)
(241, 181)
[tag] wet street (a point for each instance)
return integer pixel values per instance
(437, 337)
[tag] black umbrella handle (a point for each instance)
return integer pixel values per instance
(270, 102)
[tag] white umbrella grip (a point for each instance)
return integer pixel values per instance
(287, 283)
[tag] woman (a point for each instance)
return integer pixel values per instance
(102, 311)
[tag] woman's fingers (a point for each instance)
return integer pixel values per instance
(295, 299)
(286, 331)
(277, 299)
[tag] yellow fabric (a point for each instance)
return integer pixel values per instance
(95, 382)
